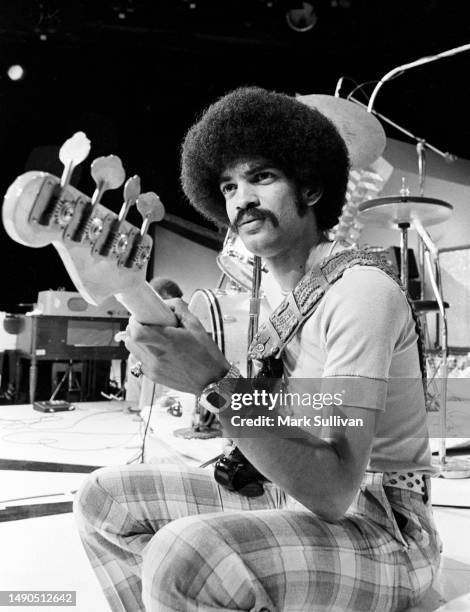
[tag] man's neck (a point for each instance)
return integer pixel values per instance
(289, 267)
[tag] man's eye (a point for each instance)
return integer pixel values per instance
(264, 175)
(227, 188)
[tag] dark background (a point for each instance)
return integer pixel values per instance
(134, 75)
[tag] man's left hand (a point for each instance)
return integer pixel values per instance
(183, 358)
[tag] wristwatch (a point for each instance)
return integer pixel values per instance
(217, 396)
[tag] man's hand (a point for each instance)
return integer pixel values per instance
(183, 358)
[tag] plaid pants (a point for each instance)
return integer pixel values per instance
(171, 539)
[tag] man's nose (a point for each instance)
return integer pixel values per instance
(246, 197)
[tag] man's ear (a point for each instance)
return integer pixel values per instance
(312, 195)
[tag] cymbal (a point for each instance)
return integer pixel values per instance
(393, 210)
(361, 131)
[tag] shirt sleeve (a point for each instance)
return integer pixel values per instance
(364, 316)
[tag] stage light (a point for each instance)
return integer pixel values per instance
(303, 18)
(15, 72)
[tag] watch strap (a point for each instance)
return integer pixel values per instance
(224, 387)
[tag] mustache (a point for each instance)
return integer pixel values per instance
(243, 216)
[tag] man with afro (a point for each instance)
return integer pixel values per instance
(343, 521)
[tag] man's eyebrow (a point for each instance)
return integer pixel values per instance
(224, 178)
(257, 166)
(253, 168)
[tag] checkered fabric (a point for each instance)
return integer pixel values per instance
(171, 539)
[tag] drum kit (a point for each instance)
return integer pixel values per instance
(225, 312)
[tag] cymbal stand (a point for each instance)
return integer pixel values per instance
(421, 152)
(404, 227)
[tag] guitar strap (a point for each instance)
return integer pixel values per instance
(285, 320)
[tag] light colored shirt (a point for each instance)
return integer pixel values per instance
(361, 342)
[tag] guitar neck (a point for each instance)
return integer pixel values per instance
(147, 306)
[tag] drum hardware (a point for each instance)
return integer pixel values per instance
(246, 271)
(427, 306)
(225, 316)
(400, 212)
(448, 467)
(236, 263)
(254, 310)
(417, 212)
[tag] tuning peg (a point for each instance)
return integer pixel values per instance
(108, 173)
(73, 152)
(131, 193)
(151, 208)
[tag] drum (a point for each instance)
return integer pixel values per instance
(236, 261)
(225, 316)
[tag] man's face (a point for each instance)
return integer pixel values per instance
(262, 206)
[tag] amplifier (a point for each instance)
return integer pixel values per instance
(71, 304)
(77, 338)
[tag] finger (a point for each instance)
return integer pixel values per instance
(136, 350)
(186, 317)
(148, 334)
(174, 303)
(120, 336)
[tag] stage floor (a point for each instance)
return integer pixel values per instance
(44, 552)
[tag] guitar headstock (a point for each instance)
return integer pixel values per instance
(104, 254)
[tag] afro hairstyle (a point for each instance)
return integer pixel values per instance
(250, 123)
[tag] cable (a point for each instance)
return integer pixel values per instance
(50, 442)
(360, 87)
(142, 452)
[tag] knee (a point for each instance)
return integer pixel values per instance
(172, 554)
(90, 499)
(189, 561)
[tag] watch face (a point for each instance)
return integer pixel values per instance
(216, 399)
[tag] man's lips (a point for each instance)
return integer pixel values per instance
(250, 220)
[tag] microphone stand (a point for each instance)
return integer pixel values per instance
(405, 67)
(449, 157)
